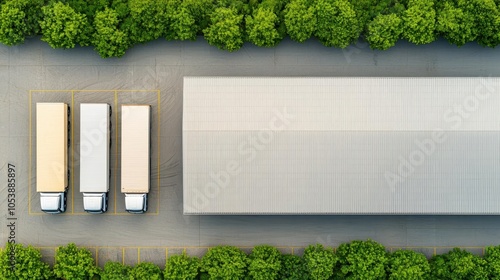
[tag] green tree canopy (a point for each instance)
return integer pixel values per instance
(384, 31)
(264, 263)
(182, 267)
(455, 25)
(457, 265)
(224, 262)
(62, 26)
(74, 263)
(292, 268)
(408, 265)
(419, 22)
(319, 262)
(225, 30)
(262, 28)
(362, 260)
(336, 24)
(19, 262)
(115, 271)
(492, 258)
(19, 19)
(300, 19)
(108, 40)
(145, 270)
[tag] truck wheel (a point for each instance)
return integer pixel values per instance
(69, 133)
(110, 111)
(69, 176)
(69, 111)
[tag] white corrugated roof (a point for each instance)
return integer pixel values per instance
(341, 145)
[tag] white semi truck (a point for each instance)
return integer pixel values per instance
(52, 142)
(95, 143)
(135, 156)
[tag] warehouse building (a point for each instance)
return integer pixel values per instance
(341, 145)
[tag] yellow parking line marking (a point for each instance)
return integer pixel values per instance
(138, 255)
(72, 177)
(123, 255)
(96, 256)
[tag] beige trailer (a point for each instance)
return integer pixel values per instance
(52, 141)
(135, 156)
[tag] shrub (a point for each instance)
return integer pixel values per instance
(108, 40)
(182, 267)
(492, 258)
(300, 20)
(292, 268)
(408, 265)
(145, 270)
(419, 22)
(319, 262)
(458, 264)
(336, 23)
(362, 260)
(384, 31)
(264, 263)
(115, 271)
(74, 263)
(19, 262)
(225, 30)
(18, 19)
(62, 27)
(224, 262)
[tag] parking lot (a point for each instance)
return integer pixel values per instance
(153, 74)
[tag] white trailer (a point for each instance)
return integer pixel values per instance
(52, 142)
(95, 143)
(135, 156)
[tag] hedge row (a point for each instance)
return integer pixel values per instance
(113, 26)
(354, 260)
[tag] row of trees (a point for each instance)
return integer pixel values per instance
(113, 26)
(354, 260)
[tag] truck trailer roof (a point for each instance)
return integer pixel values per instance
(135, 148)
(51, 147)
(94, 147)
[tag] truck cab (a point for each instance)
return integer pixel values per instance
(53, 203)
(95, 203)
(136, 203)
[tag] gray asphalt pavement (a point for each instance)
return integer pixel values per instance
(36, 70)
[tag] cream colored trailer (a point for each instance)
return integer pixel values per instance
(135, 156)
(52, 141)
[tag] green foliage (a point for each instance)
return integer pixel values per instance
(486, 19)
(224, 262)
(115, 271)
(383, 31)
(147, 20)
(18, 19)
(337, 24)
(182, 24)
(292, 268)
(182, 267)
(262, 28)
(108, 40)
(455, 24)
(408, 265)
(458, 264)
(62, 26)
(26, 262)
(419, 22)
(145, 270)
(362, 260)
(74, 263)
(300, 20)
(492, 258)
(225, 30)
(319, 262)
(264, 263)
